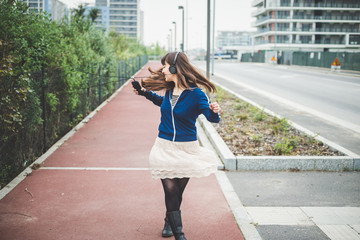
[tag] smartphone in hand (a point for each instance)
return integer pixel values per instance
(136, 85)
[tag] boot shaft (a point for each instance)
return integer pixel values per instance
(176, 224)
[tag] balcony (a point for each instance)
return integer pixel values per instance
(310, 18)
(331, 18)
(258, 11)
(260, 42)
(254, 3)
(317, 42)
(337, 30)
(333, 42)
(272, 4)
(311, 31)
(323, 41)
(327, 5)
(315, 6)
(259, 21)
(263, 19)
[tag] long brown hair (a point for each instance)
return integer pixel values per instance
(186, 73)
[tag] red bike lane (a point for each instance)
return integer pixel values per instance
(97, 185)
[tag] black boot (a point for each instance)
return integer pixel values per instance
(176, 224)
(167, 232)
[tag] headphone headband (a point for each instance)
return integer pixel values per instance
(177, 53)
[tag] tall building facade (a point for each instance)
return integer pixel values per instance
(315, 25)
(102, 21)
(56, 8)
(124, 16)
(233, 39)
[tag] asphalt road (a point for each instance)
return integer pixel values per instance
(322, 101)
(332, 193)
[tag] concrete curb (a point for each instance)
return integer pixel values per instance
(241, 216)
(226, 156)
(243, 219)
(204, 141)
(350, 161)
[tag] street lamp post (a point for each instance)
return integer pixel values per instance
(208, 41)
(213, 41)
(170, 44)
(175, 35)
(182, 43)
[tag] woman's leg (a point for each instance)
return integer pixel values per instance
(182, 182)
(174, 189)
(171, 190)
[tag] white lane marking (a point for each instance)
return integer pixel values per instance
(300, 107)
(289, 76)
(95, 168)
(301, 71)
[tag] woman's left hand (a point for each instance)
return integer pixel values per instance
(215, 107)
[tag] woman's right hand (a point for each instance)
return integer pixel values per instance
(138, 89)
(141, 93)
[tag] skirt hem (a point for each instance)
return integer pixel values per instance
(161, 174)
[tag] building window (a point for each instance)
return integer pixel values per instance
(133, 12)
(123, 6)
(354, 39)
(306, 27)
(285, 3)
(283, 14)
(305, 39)
(123, 1)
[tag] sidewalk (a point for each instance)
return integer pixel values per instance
(97, 185)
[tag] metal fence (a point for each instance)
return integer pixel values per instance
(348, 60)
(61, 107)
(253, 57)
(101, 84)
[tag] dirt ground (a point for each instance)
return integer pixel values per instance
(248, 130)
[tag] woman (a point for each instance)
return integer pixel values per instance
(176, 155)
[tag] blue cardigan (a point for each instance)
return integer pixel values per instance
(178, 123)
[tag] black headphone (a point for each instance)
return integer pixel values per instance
(172, 68)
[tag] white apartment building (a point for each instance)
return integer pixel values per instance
(233, 39)
(56, 8)
(102, 21)
(124, 16)
(307, 25)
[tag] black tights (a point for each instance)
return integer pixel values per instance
(173, 189)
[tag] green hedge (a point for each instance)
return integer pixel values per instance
(52, 74)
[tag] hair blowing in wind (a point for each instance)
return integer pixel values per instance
(186, 73)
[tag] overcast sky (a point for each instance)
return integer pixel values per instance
(234, 15)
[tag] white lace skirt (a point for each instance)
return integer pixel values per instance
(181, 159)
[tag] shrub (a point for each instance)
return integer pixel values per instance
(283, 147)
(49, 79)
